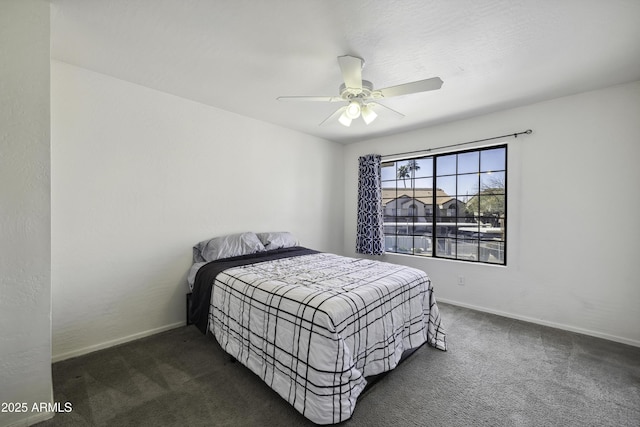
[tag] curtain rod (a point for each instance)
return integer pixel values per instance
(426, 150)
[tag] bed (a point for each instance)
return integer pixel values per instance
(312, 325)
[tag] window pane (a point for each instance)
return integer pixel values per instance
(467, 249)
(428, 210)
(467, 185)
(447, 184)
(404, 244)
(468, 162)
(445, 248)
(446, 165)
(413, 168)
(492, 252)
(492, 181)
(388, 171)
(450, 210)
(493, 160)
(390, 243)
(424, 167)
(390, 208)
(492, 205)
(421, 245)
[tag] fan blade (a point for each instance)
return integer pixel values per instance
(351, 68)
(413, 87)
(335, 114)
(310, 98)
(377, 104)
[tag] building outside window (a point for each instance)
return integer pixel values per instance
(450, 205)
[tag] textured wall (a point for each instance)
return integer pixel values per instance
(572, 205)
(25, 267)
(139, 176)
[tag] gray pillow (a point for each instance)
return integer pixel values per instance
(227, 246)
(277, 240)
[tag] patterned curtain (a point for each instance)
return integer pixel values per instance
(370, 234)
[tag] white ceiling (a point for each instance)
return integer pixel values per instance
(239, 55)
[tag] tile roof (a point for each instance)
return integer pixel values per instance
(424, 195)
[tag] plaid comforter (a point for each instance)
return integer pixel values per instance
(314, 326)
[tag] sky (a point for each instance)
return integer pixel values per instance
(474, 169)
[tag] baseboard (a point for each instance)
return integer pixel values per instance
(542, 322)
(111, 343)
(31, 420)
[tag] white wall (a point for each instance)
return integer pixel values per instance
(573, 205)
(25, 265)
(139, 176)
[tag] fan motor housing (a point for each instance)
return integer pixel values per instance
(366, 92)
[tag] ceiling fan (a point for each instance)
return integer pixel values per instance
(360, 94)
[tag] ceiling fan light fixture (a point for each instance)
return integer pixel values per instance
(344, 119)
(368, 115)
(353, 110)
(360, 94)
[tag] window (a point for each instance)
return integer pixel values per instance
(449, 205)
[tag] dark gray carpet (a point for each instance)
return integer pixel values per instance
(497, 372)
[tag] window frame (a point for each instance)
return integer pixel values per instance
(489, 249)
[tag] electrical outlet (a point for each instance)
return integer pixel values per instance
(461, 280)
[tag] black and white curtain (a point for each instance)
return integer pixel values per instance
(370, 233)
